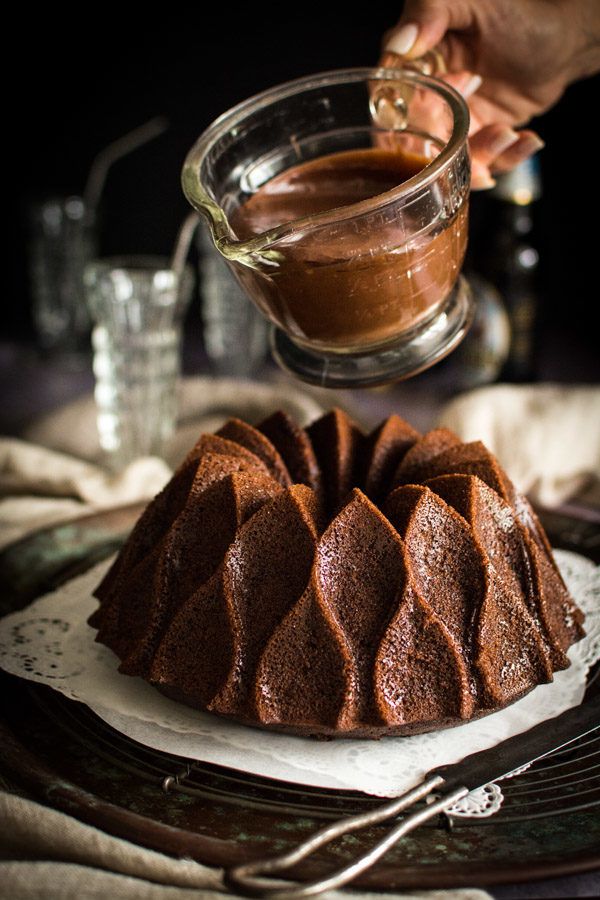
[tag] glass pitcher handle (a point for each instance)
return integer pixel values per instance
(431, 63)
(389, 103)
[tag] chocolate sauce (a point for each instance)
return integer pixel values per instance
(357, 281)
(323, 184)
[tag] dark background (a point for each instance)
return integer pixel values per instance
(85, 79)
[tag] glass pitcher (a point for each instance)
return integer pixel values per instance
(369, 290)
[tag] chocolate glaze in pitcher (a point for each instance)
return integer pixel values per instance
(345, 288)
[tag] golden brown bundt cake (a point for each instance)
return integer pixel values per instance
(332, 583)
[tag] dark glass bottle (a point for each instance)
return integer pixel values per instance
(505, 252)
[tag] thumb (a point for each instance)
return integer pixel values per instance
(422, 25)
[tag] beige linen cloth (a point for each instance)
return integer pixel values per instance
(51, 855)
(56, 469)
(548, 438)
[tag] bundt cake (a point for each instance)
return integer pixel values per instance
(327, 582)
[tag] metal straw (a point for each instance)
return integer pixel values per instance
(114, 151)
(182, 244)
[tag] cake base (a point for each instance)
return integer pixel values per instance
(368, 732)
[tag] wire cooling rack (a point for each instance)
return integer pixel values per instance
(566, 781)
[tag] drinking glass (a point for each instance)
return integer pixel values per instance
(236, 335)
(137, 305)
(63, 240)
(364, 293)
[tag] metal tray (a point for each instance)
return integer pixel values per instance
(60, 753)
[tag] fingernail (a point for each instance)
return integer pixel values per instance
(502, 141)
(472, 85)
(481, 177)
(531, 143)
(482, 182)
(403, 40)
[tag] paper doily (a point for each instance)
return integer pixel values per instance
(50, 642)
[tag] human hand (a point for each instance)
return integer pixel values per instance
(512, 60)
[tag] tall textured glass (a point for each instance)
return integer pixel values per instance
(63, 241)
(236, 336)
(137, 305)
